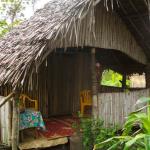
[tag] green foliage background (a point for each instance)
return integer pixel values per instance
(11, 13)
(111, 78)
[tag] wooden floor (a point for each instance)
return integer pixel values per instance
(43, 143)
(60, 147)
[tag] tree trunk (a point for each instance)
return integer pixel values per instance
(95, 110)
(15, 122)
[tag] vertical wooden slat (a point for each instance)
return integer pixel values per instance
(5, 122)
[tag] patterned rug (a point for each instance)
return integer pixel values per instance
(59, 127)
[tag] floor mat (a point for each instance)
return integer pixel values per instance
(59, 127)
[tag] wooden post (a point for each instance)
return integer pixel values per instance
(6, 99)
(15, 122)
(124, 81)
(9, 123)
(95, 110)
(147, 76)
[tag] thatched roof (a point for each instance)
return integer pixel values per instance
(136, 16)
(25, 47)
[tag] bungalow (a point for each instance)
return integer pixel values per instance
(52, 57)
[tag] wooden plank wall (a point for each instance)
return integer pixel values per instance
(5, 123)
(59, 82)
(66, 75)
(114, 107)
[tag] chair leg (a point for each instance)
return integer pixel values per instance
(82, 109)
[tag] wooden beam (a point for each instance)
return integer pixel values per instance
(147, 75)
(94, 80)
(15, 122)
(95, 110)
(6, 99)
(124, 81)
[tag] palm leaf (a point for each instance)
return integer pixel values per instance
(134, 140)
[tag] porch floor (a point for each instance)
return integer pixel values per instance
(58, 129)
(41, 143)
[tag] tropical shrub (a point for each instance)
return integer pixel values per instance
(132, 139)
(93, 132)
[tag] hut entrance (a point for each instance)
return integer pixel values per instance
(63, 78)
(60, 79)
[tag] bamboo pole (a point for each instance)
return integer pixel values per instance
(9, 123)
(15, 122)
(7, 99)
(95, 111)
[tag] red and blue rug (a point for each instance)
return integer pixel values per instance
(59, 127)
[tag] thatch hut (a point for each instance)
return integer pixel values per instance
(52, 56)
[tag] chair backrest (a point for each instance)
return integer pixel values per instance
(86, 97)
(28, 103)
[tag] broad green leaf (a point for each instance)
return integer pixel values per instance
(121, 138)
(114, 146)
(147, 142)
(133, 140)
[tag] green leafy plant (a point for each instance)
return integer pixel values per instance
(90, 129)
(133, 139)
(93, 132)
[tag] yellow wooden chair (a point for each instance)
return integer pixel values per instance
(85, 100)
(29, 103)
